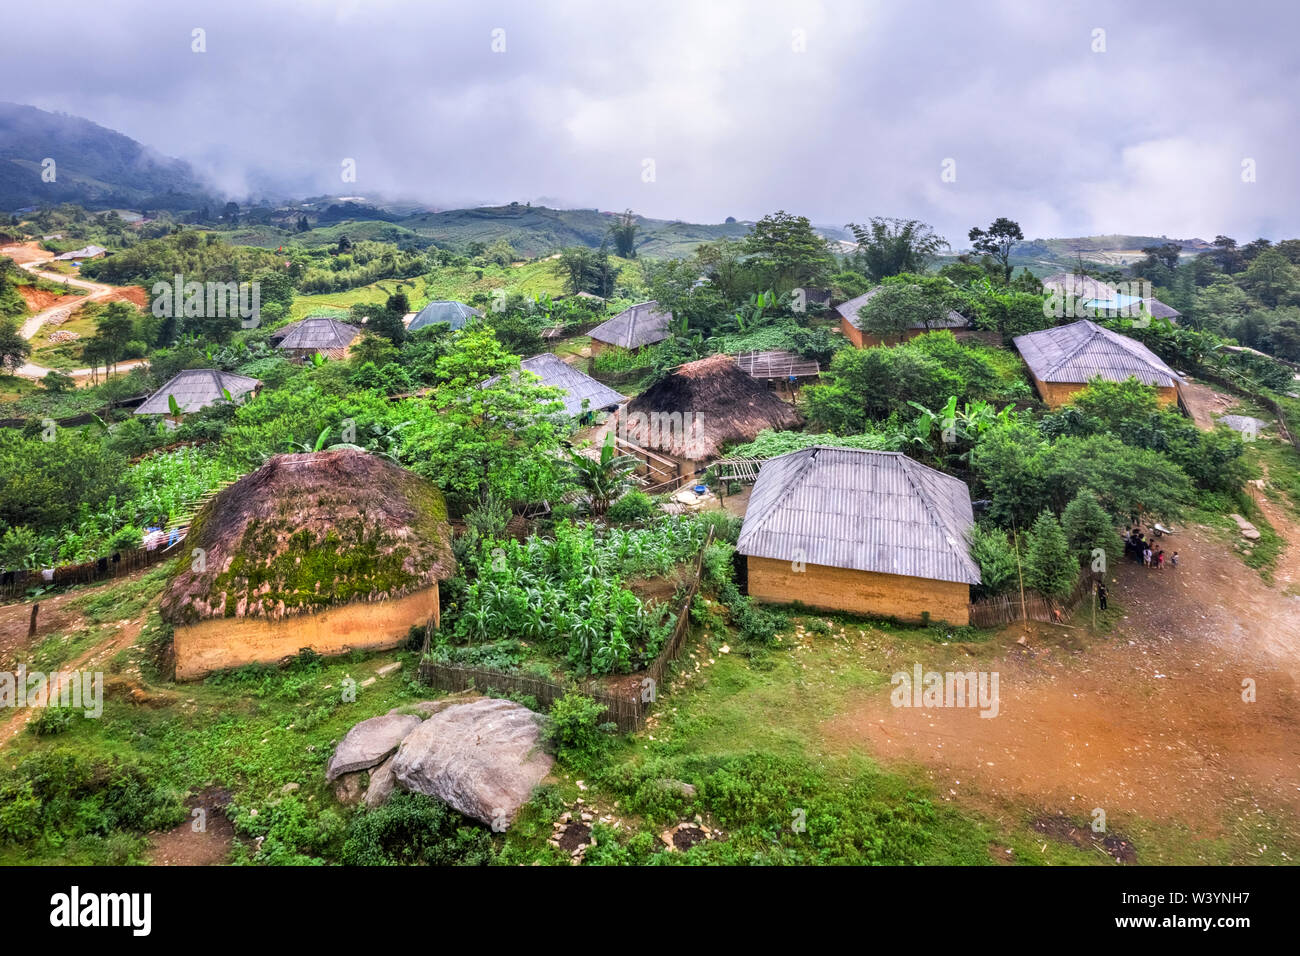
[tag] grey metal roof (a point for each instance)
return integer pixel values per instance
(642, 324)
(321, 332)
(1159, 310)
(849, 310)
(1084, 350)
(1079, 286)
(197, 388)
(577, 385)
(455, 314)
(88, 252)
(864, 510)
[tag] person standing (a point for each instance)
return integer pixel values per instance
(1101, 596)
(1146, 556)
(1160, 559)
(1173, 560)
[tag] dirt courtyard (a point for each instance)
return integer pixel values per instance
(1148, 720)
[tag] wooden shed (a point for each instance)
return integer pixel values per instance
(869, 532)
(333, 551)
(1062, 360)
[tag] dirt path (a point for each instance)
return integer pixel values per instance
(1205, 404)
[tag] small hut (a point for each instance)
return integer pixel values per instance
(1062, 360)
(333, 551)
(691, 413)
(851, 323)
(196, 389)
(633, 328)
(321, 334)
(455, 315)
(870, 532)
(583, 395)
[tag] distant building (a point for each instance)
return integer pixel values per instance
(851, 323)
(196, 389)
(1064, 359)
(1080, 287)
(455, 315)
(583, 395)
(80, 255)
(316, 335)
(869, 532)
(633, 328)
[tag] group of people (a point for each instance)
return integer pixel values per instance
(1139, 547)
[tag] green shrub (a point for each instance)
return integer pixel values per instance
(636, 505)
(414, 829)
(575, 729)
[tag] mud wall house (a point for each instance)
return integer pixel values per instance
(690, 414)
(455, 315)
(317, 335)
(333, 551)
(196, 389)
(851, 323)
(1062, 360)
(633, 328)
(868, 532)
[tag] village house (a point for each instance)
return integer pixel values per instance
(1062, 360)
(691, 413)
(583, 396)
(196, 389)
(868, 532)
(633, 328)
(455, 315)
(315, 335)
(333, 551)
(851, 323)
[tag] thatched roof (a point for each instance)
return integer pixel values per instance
(1084, 350)
(197, 388)
(642, 324)
(454, 314)
(307, 532)
(727, 405)
(865, 510)
(322, 332)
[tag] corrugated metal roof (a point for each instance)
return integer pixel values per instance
(577, 385)
(865, 510)
(321, 332)
(454, 314)
(196, 388)
(849, 310)
(642, 324)
(1079, 286)
(1084, 350)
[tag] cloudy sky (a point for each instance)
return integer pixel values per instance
(1073, 118)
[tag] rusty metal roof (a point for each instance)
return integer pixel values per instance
(865, 510)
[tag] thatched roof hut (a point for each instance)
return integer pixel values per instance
(309, 532)
(709, 403)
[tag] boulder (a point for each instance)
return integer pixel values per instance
(382, 784)
(427, 708)
(348, 788)
(1248, 530)
(369, 743)
(483, 758)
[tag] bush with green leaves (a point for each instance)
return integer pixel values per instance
(1050, 567)
(635, 506)
(576, 729)
(412, 829)
(996, 557)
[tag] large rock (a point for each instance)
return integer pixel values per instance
(483, 758)
(382, 784)
(369, 743)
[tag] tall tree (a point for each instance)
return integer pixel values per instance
(623, 232)
(997, 241)
(887, 247)
(790, 253)
(1050, 568)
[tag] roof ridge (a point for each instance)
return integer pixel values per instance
(790, 484)
(1093, 329)
(931, 508)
